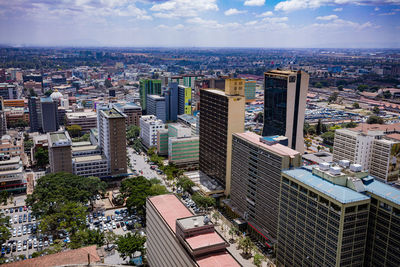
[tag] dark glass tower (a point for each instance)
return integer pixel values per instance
(284, 105)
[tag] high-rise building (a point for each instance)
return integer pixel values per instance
(333, 216)
(12, 175)
(49, 117)
(257, 163)
(112, 139)
(385, 160)
(87, 120)
(148, 87)
(149, 125)
(132, 111)
(250, 90)
(8, 91)
(284, 105)
(3, 121)
(178, 130)
(171, 102)
(156, 106)
(185, 100)
(60, 155)
(222, 114)
(176, 237)
(190, 121)
(34, 105)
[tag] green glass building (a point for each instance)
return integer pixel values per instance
(148, 87)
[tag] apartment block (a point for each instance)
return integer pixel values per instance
(149, 125)
(222, 114)
(183, 150)
(257, 163)
(11, 146)
(284, 105)
(385, 160)
(60, 156)
(176, 237)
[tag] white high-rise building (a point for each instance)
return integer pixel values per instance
(149, 125)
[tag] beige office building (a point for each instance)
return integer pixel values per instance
(87, 120)
(222, 114)
(60, 155)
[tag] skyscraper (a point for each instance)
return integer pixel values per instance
(284, 105)
(156, 106)
(171, 102)
(222, 114)
(148, 87)
(3, 122)
(33, 113)
(49, 117)
(257, 163)
(112, 139)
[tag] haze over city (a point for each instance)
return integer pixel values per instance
(202, 23)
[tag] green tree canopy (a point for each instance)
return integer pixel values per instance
(87, 237)
(373, 119)
(185, 183)
(74, 130)
(129, 244)
(356, 105)
(362, 87)
(42, 157)
(203, 201)
(56, 189)
(387, 94)
(376, 110)
(4, 232)
(328, 137)
(132, 132)
(48, 93)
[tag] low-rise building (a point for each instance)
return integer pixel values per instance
(96, 165)
(184, 151)
(12, 175)
(87, 120)
(190, 121)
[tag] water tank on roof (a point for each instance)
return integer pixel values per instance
(335, 170)
(355, 167)
(324, 166)
(344, 163)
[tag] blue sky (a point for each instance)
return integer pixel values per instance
(202, 23)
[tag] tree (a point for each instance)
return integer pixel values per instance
(42, 157)
(319, 148)
(258, 259)
(56, 189)
(376, 110)
(4, 231)
(246, 244)
(203, 201)
(356, 105)
(86, 237)
(158, 189)
(185, 183)
(328, 137)
(340, 87)
(128, 244)
(318, 85)
(48, 92)
(387, 94)
(28, 145)
(74, 130)
(308, 143)
(232, 232)
(132, 133)
(259, 117)
(4, 196)
(373, 119)
(110, 237)
(318, 129)
(362, 87)
(333, 97)
(216, 216)
(351, 124)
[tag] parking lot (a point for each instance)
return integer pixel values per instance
(26, 238)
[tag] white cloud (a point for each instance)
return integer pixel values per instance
(204, 23)
(183, 8)
(250, 23)
(343, 24)
(338, 9)
(234, 11)
(388, 14)
(329, 17)
(254, 2)
(266, 14)
(376, 8)
(292, 5)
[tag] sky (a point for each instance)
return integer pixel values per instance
(202, 23)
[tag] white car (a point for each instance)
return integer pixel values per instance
(46, 243)
(19, 248)
(114, 226)
(124, 228)
(24, 247)
(109, 227)
(14, 233)
(19, 233)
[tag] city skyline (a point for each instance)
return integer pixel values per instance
(202, 23)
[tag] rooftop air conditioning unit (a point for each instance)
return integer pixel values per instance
(324, 166)
(355, 167)
(344, 163)
(335, 170)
